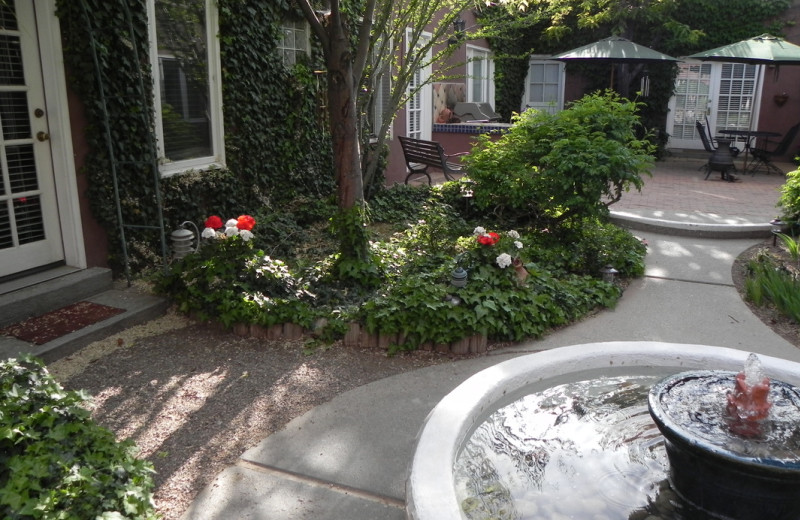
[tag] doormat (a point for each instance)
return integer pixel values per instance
(47, 327)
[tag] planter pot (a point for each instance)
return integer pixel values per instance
(717, 470)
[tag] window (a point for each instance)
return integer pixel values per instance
(479, 76)
(544, 87)
(419, 108)
(294, 41)
(188, 102)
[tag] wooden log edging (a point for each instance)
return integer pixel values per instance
(357, 336)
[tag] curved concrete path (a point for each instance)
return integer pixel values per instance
(348, 459)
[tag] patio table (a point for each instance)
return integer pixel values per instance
(748, 135)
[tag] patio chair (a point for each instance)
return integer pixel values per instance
(705, 137)
(763, 156)
(708, 140)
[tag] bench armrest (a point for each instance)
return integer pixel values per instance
(456, 154)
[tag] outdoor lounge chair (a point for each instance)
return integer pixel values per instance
(763, 156)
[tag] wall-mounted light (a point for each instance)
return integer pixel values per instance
(459, 26)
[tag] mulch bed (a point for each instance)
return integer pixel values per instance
(47, 327)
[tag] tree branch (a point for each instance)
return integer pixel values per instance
(316, 25)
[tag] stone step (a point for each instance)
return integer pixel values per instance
(93, 285)
(44, 292)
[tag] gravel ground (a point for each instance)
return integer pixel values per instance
(194, 398)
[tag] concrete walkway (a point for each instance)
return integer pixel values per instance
(348, 459)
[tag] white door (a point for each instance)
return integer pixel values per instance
(544, 86)
(30, 234)
(723, 93)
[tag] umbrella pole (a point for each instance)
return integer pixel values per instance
(611, 86)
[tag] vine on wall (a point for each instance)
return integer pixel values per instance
(719, 22)
(276, 146)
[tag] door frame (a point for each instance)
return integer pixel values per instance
(711, 109)
(60, 129)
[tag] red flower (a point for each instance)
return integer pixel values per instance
(245, 222)
(213, 222)
(489, 239)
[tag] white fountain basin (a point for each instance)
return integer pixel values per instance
(430, 489)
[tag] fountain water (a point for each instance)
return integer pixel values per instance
(431, 490)
(735, 457)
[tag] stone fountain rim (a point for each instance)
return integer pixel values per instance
(693, 443)
(430, 490)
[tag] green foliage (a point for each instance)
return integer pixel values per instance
(405, 285)
(229, 281)
(355, 262)
(789, 201)
(553, 167)
(55, 462)
(769, 281)
(399, 204)
(586, 246)
(676, 27)
(792, 246)
(275, 141)
(494, 302)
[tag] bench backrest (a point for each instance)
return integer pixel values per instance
(422, 152)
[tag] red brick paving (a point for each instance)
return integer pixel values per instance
(677, 191)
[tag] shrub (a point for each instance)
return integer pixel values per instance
(770, 281)
(230, 281)
(55, 462)
(789, 201)
(494, 302)
(553, 167)
(586, 246)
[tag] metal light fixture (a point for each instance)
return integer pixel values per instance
(609, 273)
(182, 240)
(777, 228)
(458, 278)
(459, 26)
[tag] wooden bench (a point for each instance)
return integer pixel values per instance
(420, 155)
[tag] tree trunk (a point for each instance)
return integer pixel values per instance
(344, 124)
(349, 224)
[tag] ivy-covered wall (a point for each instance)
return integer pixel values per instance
(276, 145)
(720, 22)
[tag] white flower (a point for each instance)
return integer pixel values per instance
(231, 231)
(208, 233)
(246, 235)
(231, 223)
(479, 231)
(504, 260)
(513, 234)
(518, 244)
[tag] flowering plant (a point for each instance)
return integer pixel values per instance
(241, 226)
(507, 248)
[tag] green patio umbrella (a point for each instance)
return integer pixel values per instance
(760, 50)
(614, 49)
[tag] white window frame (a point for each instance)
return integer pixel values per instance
(294, 27)
(526, 101)
(480, 54)
(381, 99)
(421, 103)
(217, 158)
